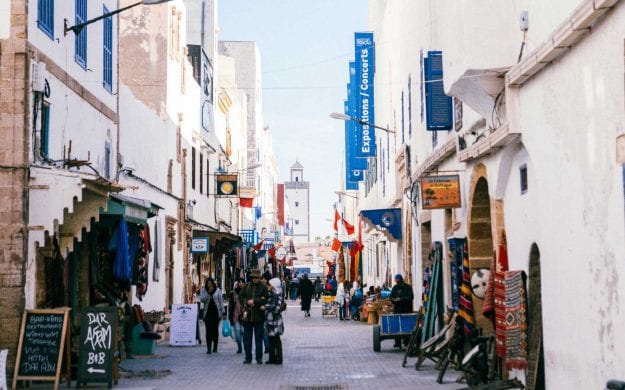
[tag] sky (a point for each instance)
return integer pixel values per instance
(305, 48)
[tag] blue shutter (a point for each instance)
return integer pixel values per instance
(107, 63)
(409, 106)
(439, 111)
(403, 133)
(45, 17)
(80, 43)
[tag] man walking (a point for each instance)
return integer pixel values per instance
(252, 297)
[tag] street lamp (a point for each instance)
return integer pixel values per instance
(343, 193)
(77, 28)
(343, 117)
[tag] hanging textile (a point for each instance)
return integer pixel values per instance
(456, 257)
(157, 261)
(348, 264)
(145, 247)
(465, 310)
(433, 297)
(122, 268)
(515, 320)
(341, 263)
(495, 295)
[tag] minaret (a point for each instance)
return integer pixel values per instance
(297, 193)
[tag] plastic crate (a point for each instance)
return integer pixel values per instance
(398, 323)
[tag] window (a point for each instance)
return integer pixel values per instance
(296, 204)
(201, 173)
(193, 168)
(523, 177)
(45, 17)
(297, 221)
(80, 42)
(107, 160)
(403, 134)
(45, 130)
(107, 57)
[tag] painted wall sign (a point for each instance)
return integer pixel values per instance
(43, 339)
(199, 245)
(183, 325)
(365, 70)
(226, 184)
(440, 192)
(98, 327)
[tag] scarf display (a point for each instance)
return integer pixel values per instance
(494, 307)
(515, 326)
(465, 300)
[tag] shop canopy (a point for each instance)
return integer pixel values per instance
(131, 209)
(387, 221)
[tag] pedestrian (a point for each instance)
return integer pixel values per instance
(355, 300)
(333, 284)
(340, 301)
(213, 302)
(236, 313)
(402, 297)
(294, 288)
(252, 297)
(274, 326)
(306, 292)
(318, 289)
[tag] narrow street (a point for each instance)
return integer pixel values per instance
(319, 353)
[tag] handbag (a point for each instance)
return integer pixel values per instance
(226, 331)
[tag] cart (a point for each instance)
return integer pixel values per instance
(328, 306)
(393, 325)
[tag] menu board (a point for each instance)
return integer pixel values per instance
(41, 345)
(98, 327)
(183, 325)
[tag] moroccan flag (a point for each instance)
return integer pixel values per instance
(348, 227)
(337, 217)
(246, 202)
(336, 244)
(259, 246)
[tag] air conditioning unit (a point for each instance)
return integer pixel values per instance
(39, 76)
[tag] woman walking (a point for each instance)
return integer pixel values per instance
(213, 302)
(340, 301)
(274, 325)
(235, 314)
(307, 290)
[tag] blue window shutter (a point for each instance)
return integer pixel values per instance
(439, 107)
(403, 128)
(107, 80)
(45, 17)
(80, 44)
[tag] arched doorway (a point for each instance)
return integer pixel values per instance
(535, 361)
(480, 244)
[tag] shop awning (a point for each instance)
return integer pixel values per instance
(131, 209)
(388, 221)
(221, 242)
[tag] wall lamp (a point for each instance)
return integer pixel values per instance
(343, 117)
(77, 28)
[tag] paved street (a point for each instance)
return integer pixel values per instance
(319, 353)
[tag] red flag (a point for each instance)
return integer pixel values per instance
(356, 247)
(246, 202)
(337, 217)
(336, 244)
(348, 227)
(259, 246)
(272, 252)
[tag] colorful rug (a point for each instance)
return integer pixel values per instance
(515, 320)
(494, 301)
(465, 309)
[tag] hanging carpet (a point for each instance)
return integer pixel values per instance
(515, 325)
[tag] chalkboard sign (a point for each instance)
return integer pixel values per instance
(98, 327)
(43, 338)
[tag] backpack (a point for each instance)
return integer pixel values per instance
(328, 286)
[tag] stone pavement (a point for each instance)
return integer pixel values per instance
(319, 354)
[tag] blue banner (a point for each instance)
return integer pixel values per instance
(356, 162)
(365, 69)
(388, 221)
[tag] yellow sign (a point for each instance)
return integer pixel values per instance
(226, 185)
(440, 192)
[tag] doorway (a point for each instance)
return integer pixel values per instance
(535, 358)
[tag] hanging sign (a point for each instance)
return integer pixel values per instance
(199, 245)
(440, 192)
(183, 325)
(281, 253)
(226, 184)
(98, 327)
(43, 339)
(365, 71)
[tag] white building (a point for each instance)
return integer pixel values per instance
(538, 112)
(297, 192)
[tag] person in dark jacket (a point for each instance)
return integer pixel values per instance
(318, 289)
(307, 289)
(274, 326)
(402, 297)
(214, 310)
(252, 297)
